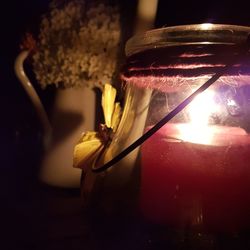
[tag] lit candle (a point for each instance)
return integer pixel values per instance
(197, 174)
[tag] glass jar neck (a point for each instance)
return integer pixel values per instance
(186, 61)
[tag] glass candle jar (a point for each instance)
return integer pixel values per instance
(189, 181)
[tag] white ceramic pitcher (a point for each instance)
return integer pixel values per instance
(73, 113)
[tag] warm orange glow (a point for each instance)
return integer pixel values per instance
(199, 135)
(201, 108)
(198, 130)
(206, 26)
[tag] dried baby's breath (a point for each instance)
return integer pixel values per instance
(77, 46)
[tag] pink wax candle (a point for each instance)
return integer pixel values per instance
(185, 182)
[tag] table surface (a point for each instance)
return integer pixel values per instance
(52, 219)
(47, 218)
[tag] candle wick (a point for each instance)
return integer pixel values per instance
(244, 49)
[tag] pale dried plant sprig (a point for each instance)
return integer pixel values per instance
(77, 46)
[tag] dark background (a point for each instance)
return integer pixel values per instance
(29, 214)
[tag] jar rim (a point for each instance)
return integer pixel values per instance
(205, 33)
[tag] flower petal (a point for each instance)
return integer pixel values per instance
(108, 103)
(116, 116)
(87, 150)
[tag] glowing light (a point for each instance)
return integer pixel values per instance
(231, 102)
(202, 107)
(200, 110)
(200, 135)
(206, 26)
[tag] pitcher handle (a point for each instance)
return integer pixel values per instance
(30, 90)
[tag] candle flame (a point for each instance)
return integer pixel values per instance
(200, 110)
(202, 107)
